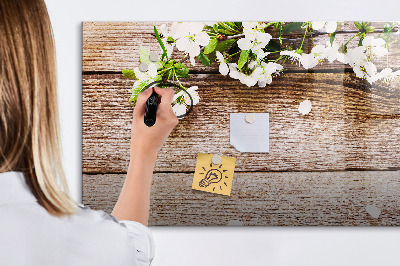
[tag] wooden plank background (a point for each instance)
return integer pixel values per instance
(322, 169)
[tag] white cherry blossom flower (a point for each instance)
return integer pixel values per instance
(355, 56)
(362, 67)
(268, 69)
(388, 75)
(332, 52)
(317, 25)
(374, 47)
(308, 60)
(189, 37)
(233, 71)
(195, 95)
(311, 60)
(252, 79)
(330, 26)
(262, 73)
(261, 55)
(370, 72)
(255, 38)
(177, 95)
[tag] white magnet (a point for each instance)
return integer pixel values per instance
(143, 67)
(250, 118)
(216, 159)
(153, 57)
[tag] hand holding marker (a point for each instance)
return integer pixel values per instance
(152, 103)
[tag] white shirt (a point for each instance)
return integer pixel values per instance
(29, 235)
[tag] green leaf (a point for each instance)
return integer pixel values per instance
(292, 27)
(225, 32)
(369, 29)
(183, 73)
(179, 65)
(387, 30)
(332, 38)
(273, 46)
(144, 54)
(232, 26)
(212, 56)
(181, 70)
(358, 25)
(243, 58)
(225, 45)
(211, 46)
(233, 49)
(164, 54)
(215, 27)
(137, 88)
(204, 59)
(170, 39)
(128, 73)
(225, 29)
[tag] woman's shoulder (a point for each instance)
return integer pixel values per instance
(138, 236)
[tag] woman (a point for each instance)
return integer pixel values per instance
(39, 222)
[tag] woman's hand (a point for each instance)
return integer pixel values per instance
(149, 140)
(134, 201)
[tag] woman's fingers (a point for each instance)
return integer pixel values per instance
(140, 106)
(167, 95)
(165, 108)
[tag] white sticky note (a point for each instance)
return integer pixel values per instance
(249, 137)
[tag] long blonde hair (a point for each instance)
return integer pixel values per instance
(29, 122)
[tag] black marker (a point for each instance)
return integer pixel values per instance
(151, 109)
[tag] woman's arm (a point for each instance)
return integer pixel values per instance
(134, 201)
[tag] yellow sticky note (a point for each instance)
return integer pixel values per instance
(214, 178)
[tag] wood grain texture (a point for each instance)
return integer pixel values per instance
(329, 198)
(350, 126)
(113, 46)
(301, 181)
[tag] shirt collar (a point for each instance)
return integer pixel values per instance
(13, 188)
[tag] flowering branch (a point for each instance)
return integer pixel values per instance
(241, 50)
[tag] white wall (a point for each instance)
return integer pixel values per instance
(220, 246)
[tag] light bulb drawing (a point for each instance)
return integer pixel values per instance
(213, 176)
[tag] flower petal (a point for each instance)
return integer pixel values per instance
(202, 39)
(192, 61)
(244, 44)
(182, 44)
(179, 109)
(331, 26)
(317, 25)
(152, 71)
(220, 57)
(223, 69)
